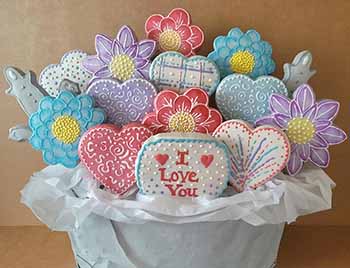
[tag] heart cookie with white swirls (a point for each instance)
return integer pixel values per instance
(240, 97)
(123, 102)
(257, 154)
(110, 153)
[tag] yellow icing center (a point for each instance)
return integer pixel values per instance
(122, 67)
(300, 130)
(182, 122)
(242, 62)
(170, 40)
(66, 129)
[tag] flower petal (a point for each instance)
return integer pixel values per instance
(333, 135)
(213, 121)
(92, 64)
(167, 24)
(282, 120)
(132, 51)
(182, 103)
(201, 129)
(103, 47)
(321, 125)
(164, 115)
(304, 96)
(98, 116)
(184, 32)
(327, 110)
(197, 96)
(126, 37)
(236, 33)
(143, 73)
(200, 113)
(266, 120)
(140, 63)
(310, 112)
(117, 48)
(154, 34)
(295, 110)
(151, 122)
(318, 142)
(146, 48)
(153, 22)
(185, 48)
(294, 164)
(165, 98)
(180, 16)
(304, 151)
(104, 72)
(319, 157)
(197, 37)
(219, 42)
(279, 104)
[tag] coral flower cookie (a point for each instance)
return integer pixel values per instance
(243, 53)
(308, 125)
(122, 58)
(175, 32)
(183, 113)
(58, 125)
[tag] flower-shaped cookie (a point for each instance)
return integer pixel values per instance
(175, 32)
(122, 58)
(308, 125)
(58, 125)
(243, 53)
(183, 113)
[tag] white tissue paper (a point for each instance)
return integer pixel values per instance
(236, 230)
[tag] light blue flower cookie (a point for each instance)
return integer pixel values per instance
(58, 125)
(243, 53)
(240, 97)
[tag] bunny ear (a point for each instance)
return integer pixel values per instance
(306, 59)
(12, 74)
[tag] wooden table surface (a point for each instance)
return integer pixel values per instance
(301, 247)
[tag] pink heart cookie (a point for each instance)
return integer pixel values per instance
(109, 153)
(257, 154)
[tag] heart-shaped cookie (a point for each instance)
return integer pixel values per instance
(123, 103)
(257, 154)
(173, 70)
(110, 153)
(69, 68)
(240, 97)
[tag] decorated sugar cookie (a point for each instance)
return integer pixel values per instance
(182, 113)
(122, 58)
(299, 71)
(58, 125)
(183, 165)
(23, 86)
(123, 102)
(243, 53)
(69, 69)
(175, 32)
(257, 154)
(109, 153)
(173, 70)
(308, 125)
(240, 97)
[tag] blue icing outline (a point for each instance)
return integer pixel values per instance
(156, 60)
(225, 92)
(145, 146)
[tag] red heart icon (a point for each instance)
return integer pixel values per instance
(109, 153)
(207, 159)
(161, 158)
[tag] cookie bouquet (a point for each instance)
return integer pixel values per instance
(147, 131)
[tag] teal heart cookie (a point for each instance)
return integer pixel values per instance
(173, 70)
(240, 97)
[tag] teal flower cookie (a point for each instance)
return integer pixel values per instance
(58, 125)
(243, 53)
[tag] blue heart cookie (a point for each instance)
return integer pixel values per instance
(240, 97)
